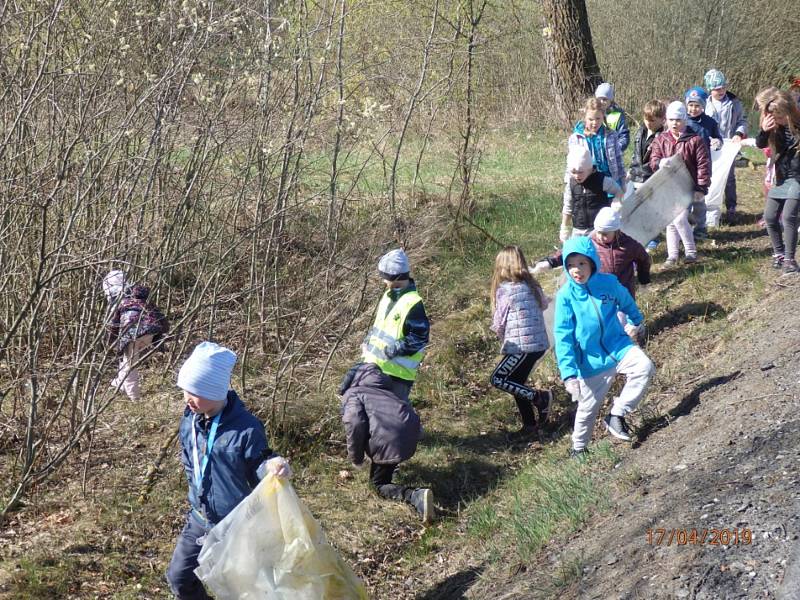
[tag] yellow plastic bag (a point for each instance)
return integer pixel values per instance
(271, 548)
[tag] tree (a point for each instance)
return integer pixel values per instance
(569, 55)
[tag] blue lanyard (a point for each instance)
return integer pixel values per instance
(199, 469)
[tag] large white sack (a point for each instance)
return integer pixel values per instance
(721, 164)
(659, 200)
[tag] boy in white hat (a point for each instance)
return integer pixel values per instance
(224, 452)
(615, 116)
(400, 332)
(679, 139)
(585, 193)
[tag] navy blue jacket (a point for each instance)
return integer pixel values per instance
(706, 127)
(239, 448)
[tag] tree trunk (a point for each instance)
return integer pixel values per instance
(569, 55)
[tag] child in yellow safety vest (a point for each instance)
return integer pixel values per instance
(398, 337)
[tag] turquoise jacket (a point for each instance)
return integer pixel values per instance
(589, 338)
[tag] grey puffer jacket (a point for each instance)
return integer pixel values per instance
(518, 319)
(731, 117)
(377, 422)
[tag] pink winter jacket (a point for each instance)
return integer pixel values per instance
(693, 151)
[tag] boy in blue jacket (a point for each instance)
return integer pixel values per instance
(592, 347)
(224, 452)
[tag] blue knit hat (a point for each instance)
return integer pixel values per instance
(714, 79)
(207, 371)
(696, 94)
(394, 265)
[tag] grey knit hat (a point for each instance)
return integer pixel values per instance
(394, 265)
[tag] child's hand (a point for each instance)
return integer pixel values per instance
(716, 144)
(541, 267)
(277, 466)
(573, 388)
(767, 122)
(633, 332)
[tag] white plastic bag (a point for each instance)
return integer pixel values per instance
(271, 548)
(721, 164)
(658, 201)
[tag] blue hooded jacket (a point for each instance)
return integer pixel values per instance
(589, 338)
(230, 475)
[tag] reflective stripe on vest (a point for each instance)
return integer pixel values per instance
(388, 330)
(613, 118)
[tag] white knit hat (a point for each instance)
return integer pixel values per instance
(578, 159)
(394, 265)
(207, 371)
(676, 110)
(607, 220)
(604, 90)
(113, 284)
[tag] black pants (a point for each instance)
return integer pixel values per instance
(772, 209)
(381, 477)
(510, 375)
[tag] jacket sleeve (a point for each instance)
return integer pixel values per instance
(762, 139)
(255, 451)
(356, 427)
(557, 260)
(714, 133)
(501, 307)
(656, 153)
(741, 118)
(567, 200)
(416, 330)
(623, 133)
(703, 166)
(564, 338)
(611, 187)
(627, 304)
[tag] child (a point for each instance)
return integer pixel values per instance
(727, 110)
(396, 342)
(383, 426)
(620, 254)
(780, 132)
(679, 139)
(517, 304)
(134, 326)
(615, 116)
(654, 117)
(224, 453)
(695, 99)
(602, 143)
(592, 346)
(586, 192)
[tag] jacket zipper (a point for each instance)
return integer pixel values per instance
(600, 320)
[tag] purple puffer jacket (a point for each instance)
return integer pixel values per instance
(518, 319)
(377, 423)
(135, 317)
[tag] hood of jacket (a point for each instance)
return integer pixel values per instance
(581, 245)
(370, 375)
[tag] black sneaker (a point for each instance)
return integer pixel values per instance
(542, 403)
(616, 426)
(422, 500)
(579, 454)
(790, 266)
(777, 261)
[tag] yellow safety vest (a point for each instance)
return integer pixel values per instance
(613, 118)
(388, 329)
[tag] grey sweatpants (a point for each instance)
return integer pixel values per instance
(638, 370)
